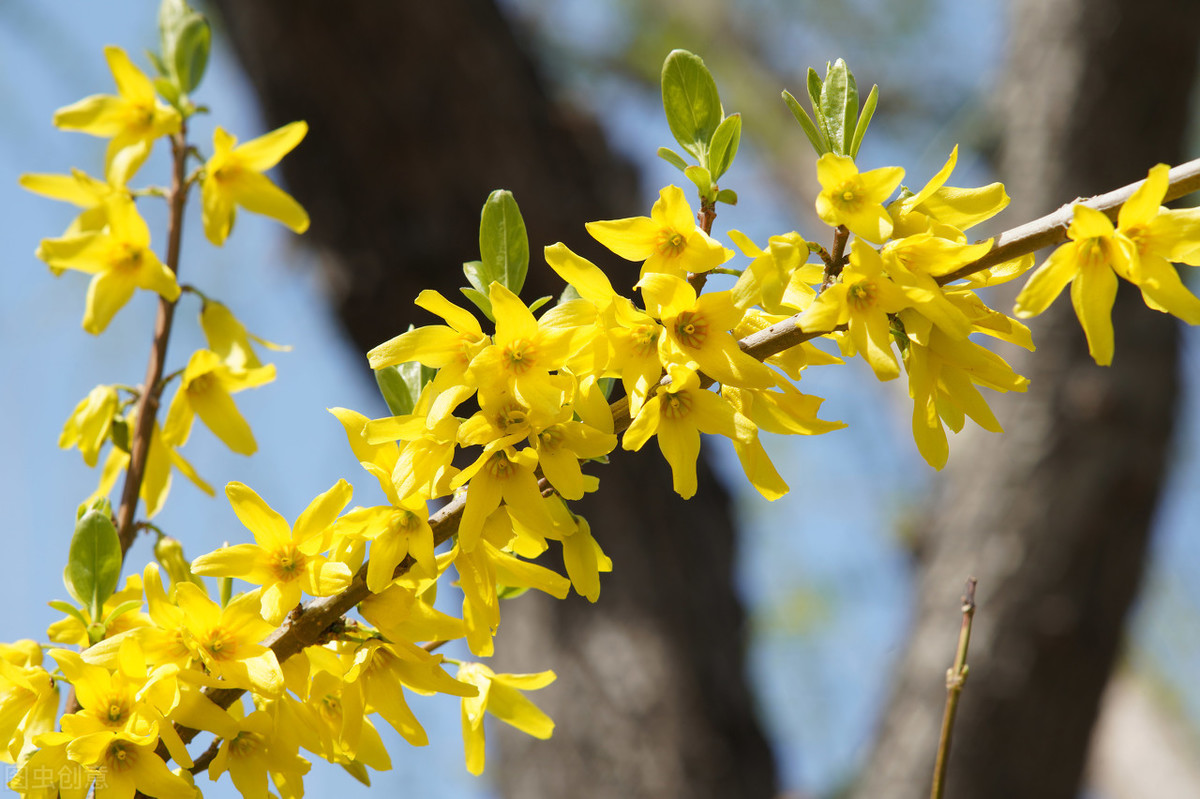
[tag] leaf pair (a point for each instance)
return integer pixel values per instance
(838, 127)
(698, 122)
(186, 39)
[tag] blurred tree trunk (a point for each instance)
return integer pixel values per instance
(1053, 517)
(416, 112)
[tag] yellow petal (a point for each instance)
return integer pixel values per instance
(266, 151)
(1093, 294)
(107, 293)
(634, 239)
(255, 192)
(216, 409)
(270, 530)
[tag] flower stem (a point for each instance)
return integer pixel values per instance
(148, 404)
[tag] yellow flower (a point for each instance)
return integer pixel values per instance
(229, 339)
(225, 639)
(500, 473)
(1090, 262)
(396, 531)
(500, 695)
(79, 189)
(946, 211)
(204, 390)
(156, 482)
(133, 118)
(120, 260)
(89, 424)
(234, 176)
(697, 331)
(252, 748)
(285, 560)
(667, 240)
(679, 413)
(855, 199)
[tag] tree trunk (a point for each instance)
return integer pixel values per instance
(1054, 516)
(416, 112)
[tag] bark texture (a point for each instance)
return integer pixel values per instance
(416, 112)
(1053, 517)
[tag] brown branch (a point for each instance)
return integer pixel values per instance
(956, 678)
(148, 402)
(310, 625)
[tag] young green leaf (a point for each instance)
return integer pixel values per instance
(539, 302)
(121, 610)
(727, 196)
(724, 145)
(839, 106)
(503, 243)
(478, 276)
(699, 175)
(806, 124)
(401, 385)
(481, 301)
(93, 562)
(864, 120)
(673, 158)
(69, 609)
(691, 102)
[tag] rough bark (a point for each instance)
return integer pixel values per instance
(417, 111)
(1053, 517)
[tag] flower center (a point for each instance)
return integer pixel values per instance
(287, 563)
(245, 743)
(500, 467)
(691, 329)
(550, 439)
(671, 243)
(128, 258)
(121, 756)
(200, 384)
(403, 521)
(861, 295)
(645, 340)
(677, 405)
(1093, 252)
(221, 645)
(511, 417)
(520, 355)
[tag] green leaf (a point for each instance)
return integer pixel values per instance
(481, 301)
(815, 87)
(119, 432)
(478, 276)
(503, 243)
(699, 175)
(94, 561)
(401, 385)
(167, 89)
(358, 771)
(810, 129)
(186, 41)
(539, 302)
(691, 102)
(724, 145)
(191, 48)
(727, 196)
(569, 293)
(510, 591)
(157, 62)
(673, 158)
(607, 384)
(121, 610)
(839, 106)
(864, 120)
(69, 609)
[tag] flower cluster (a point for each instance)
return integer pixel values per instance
(498, 416)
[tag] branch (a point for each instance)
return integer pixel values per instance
(311, 623)
(148, 402)
(956, 678)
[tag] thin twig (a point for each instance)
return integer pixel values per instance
(148, 403)
(956, 678)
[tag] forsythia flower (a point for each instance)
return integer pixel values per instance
(234, 176)
(133, 118)
(204, 390)
(90, 422)
(500, 695)
(855, 199)
(120, 260)
(667, 241)
(285, 560)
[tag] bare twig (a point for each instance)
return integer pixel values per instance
(956, 678)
